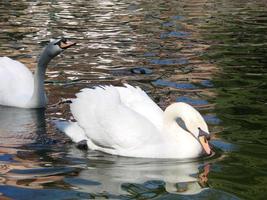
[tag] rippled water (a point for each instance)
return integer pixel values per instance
(210, 54)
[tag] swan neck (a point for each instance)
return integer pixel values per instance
(44, 60)
(39, 98)
(189, 118)
(179, 117)
(170, 126)
(171, 114)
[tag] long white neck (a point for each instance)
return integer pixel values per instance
(182, 138)
(171, 114)
(38, 98)
(190, 116)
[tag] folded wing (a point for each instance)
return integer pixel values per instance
(112, 117)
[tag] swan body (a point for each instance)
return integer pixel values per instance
(125, 121)
(19, 87)
(16, 83)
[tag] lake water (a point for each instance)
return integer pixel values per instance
(210, 54)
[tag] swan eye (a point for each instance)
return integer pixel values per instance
(64, 43)
(203, 133)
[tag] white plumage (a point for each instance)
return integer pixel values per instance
(125, 121)
(16, 83)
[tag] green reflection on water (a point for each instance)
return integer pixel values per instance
(239, 49)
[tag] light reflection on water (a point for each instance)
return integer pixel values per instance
(160, 46)
(21, 126)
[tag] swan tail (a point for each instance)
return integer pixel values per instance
(71, 129)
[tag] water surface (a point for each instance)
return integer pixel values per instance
(210, 54)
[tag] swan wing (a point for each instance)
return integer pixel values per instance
(16, 83)
(109, 123)
(136, 99)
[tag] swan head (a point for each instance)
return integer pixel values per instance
(57, 46)
(191, 121)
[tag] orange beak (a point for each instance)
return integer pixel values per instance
(205, 144)
(67, 44)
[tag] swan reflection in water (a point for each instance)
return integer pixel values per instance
(102, 173)
(121, 176)
(20, 126)
(60, 173)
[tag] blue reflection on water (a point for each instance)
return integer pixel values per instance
(168, 24)
(165, 83)
(180, 61)
(191, 101)
(177, 34)
(212, 119)
(41, 194)
(207, 83)
(177, 17)
(223, 145)
(6, 157)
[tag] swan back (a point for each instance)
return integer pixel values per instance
(16, 83)
(136, 99)
(110, 123)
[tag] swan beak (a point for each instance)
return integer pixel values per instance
(67, 44)
(204, 142)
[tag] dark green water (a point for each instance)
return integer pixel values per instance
(240, 52)
(210, 54)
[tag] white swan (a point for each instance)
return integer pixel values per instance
(125, 121)
(19, 87)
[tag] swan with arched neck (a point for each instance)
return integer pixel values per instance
(125, 121)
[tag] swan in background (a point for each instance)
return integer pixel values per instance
(125, 121)
(19, 87)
